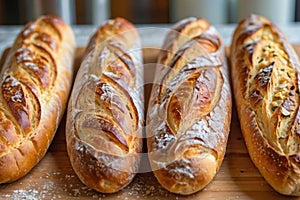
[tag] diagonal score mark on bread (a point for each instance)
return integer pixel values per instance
(108, 96)
(190, 87)
(195, 89)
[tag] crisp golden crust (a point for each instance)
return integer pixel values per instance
(189, 109)
(265, 74)
(35, 83)
(105, 111)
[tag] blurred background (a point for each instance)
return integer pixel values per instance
(16, 12)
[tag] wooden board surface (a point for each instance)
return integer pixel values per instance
(54, 178)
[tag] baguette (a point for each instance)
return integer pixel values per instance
(106, 112)
(265, 74)
(35, 82)
(190, 108)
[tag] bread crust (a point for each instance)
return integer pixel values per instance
(35, 82)
(265, 76)
(106, 111)
(189, 110)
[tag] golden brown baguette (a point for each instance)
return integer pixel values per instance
(190, 108)
(35, 82)
(106, 112)
(265, 74)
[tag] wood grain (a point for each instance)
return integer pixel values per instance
(53, 177)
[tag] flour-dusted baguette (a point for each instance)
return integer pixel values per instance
(190, 108)
(34, 86)
(106, 112)
(265, 74)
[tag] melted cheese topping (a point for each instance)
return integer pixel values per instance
(272, 89)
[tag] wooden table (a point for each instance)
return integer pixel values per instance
(54, 178)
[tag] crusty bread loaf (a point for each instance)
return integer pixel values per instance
(265, 75)
(189, 110)
(105, 111)
(35, 82)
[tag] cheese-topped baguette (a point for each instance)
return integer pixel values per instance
(106, 112)
(190, 108)
(265, 74)
(34, 87)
